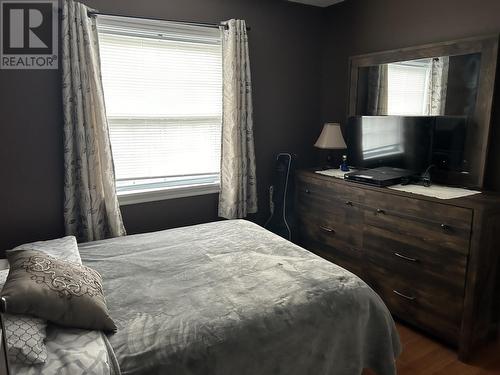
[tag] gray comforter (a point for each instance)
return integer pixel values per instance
(231, 298)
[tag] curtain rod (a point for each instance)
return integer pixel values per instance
(204, 24)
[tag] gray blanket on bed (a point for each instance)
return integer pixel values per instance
(231, 298)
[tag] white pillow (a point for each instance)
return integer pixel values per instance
(26, 334)
(64, 248)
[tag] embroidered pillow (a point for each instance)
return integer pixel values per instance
(65, 293)
(25, 335)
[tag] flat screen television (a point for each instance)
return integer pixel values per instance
(390, 141)
(409, 142)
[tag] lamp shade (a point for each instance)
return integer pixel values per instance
(331, 137)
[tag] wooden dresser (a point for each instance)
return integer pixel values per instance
(432, 261)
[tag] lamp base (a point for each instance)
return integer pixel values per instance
(324, 167)
(332, 160)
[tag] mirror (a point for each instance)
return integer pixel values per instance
(443, 79)
(437, 86)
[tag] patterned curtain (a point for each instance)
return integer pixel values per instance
(437, 85)
(91, 209)
(378, 95)
(238, 195)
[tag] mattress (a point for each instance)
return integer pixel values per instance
(231, 298)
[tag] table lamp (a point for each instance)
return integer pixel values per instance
(331, 138)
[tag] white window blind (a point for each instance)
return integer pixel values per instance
(407, 88)
(163, 91)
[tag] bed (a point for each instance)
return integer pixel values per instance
(232, 298)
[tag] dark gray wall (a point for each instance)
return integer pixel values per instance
(285, 48)
(363, 26)
(286, 45)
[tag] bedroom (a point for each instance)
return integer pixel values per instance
(299, 58)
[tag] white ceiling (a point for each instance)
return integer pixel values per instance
(318, 3)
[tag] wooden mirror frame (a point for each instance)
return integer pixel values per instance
(478, 138)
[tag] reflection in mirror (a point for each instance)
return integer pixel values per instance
(437, 86)
(382, 139)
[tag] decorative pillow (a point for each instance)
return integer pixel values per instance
(65, 293)
(25, 335)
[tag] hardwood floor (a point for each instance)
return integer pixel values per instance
(422, 356)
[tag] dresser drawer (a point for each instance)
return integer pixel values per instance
(343, 256)
(332, 230)
(320, 206)
(423, 305)
(313, 187)
(443, 268)
(422, 232)
(458, 220)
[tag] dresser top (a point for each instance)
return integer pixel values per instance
(487, 200)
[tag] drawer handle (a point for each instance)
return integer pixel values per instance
(409, 298)
(405, 257)
(348, 203)
(380, 211)
(445, 227)
(327, 229)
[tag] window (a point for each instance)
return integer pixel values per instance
(408, 88)
(163, 90)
